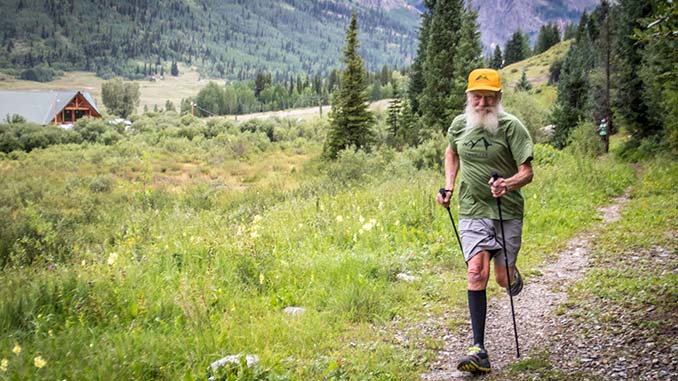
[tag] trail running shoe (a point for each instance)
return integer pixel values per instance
(517, 284)
(476, 361)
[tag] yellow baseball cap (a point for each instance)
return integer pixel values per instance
(484, 79)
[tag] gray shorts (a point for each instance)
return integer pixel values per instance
(484, 234)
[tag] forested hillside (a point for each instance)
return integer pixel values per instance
(227, 39)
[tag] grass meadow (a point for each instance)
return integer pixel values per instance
(184, 241)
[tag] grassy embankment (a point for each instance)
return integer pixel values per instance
(145, 262)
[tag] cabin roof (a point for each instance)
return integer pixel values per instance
(38, 106)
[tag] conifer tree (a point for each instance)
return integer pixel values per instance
(549, 35)
(517, 48)
(350, 120)
(523, 84)
(573, 87)
(570, 31)
(467, 57)
(439, 73)
(496, 61)
(417, 80)
(658, 67)
(393, 119)
(603, 47)
(631, 100)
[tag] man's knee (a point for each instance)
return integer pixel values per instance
(500, 275)
(477, 273)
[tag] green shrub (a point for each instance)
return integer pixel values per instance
(584, 141)
(352, 166)
(101, 184)
(527, 109)
(546, 154)
(258, 125)
(90, 128)
(38, 74)
(429, 154)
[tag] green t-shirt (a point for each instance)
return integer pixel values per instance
(480, 153)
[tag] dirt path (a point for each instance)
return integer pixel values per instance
(534, 308)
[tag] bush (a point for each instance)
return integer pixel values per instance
(584, 141)
(258, 125)
(354, 166)
(9, 142)
(29, 136)
(38, 74)
(96, 131)
(526, 108)
(429, 154)
(546, 154)
(101, 184)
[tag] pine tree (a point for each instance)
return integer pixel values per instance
(496, 61)
(393, 119)
(631, 101)
(658, 67)
(523, 84)
(350, 120)
(603, 45)
(572, 103)
(517, 48)
(417, 80)
(570, 31)
(467, 57)
(549, 35)
(439, 68)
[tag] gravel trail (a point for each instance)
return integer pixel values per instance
(534, 308)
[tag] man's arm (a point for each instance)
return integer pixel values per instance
(451, 170)
(517, 181)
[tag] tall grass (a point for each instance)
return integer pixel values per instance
(149, 261)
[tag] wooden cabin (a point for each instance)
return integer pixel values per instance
(45, 107)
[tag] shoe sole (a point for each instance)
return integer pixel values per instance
(508, 290)
(473, 367)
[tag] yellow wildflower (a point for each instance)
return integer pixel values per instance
(16, 349)
(39, 362)
(4, 364)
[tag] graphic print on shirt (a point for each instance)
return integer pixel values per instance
(471, 144)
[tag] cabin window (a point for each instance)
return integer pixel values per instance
(68, 115)
(79, 114)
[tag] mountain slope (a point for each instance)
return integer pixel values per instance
(231, 39)
(235, 39)
(499, 19)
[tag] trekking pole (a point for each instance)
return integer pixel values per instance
(495, 176)
(442, 193)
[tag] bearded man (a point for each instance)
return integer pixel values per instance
(481, 140)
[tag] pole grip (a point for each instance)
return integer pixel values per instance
(442, 192)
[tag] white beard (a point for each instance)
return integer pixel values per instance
(487, 120)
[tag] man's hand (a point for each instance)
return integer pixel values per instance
(498, 187)
(443, 197)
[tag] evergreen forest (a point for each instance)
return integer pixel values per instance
(225, 39)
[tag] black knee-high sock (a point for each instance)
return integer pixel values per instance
(477, 305)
